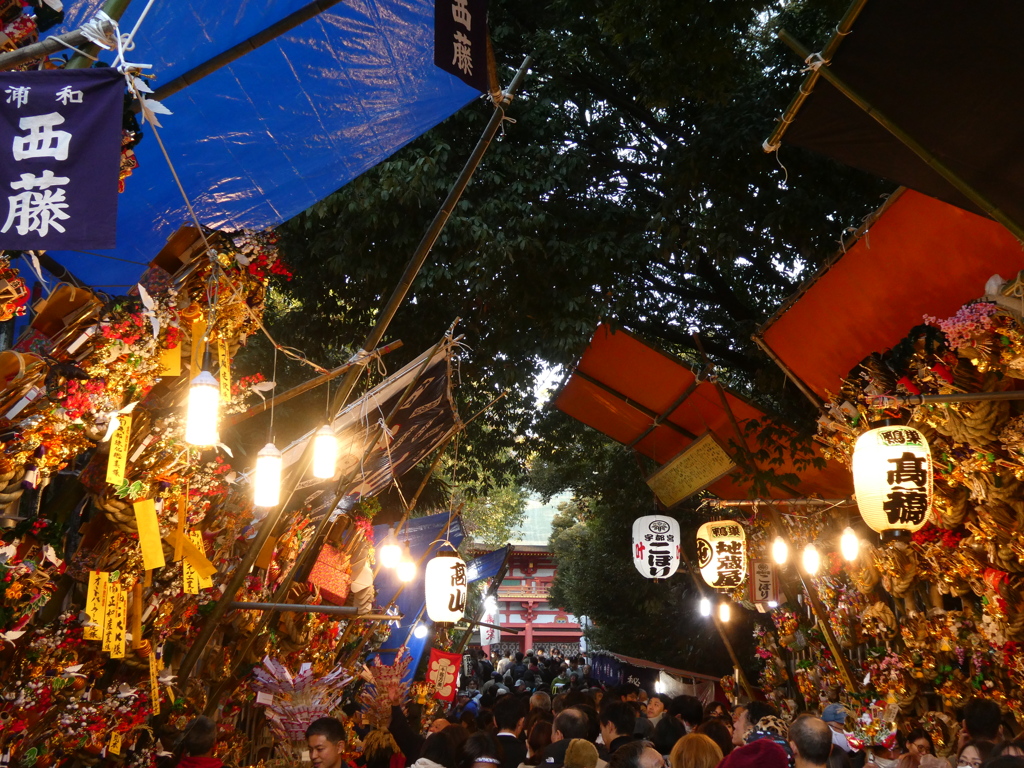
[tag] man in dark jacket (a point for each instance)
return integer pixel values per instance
(509, 717)
(570, 724)
(617, 723)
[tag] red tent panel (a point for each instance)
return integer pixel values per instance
(621, 381)
(921, 256)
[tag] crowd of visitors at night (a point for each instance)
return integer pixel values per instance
(535, 709)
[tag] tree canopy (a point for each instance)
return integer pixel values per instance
(629, 186)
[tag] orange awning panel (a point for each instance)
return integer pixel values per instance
(622, 386)
(920, 257)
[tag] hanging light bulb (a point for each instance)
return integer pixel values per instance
(406, 570)
(773, 604)
(849, 545)
(780, 550)
(420, 632)
(705, 607)
(325, 453)
(389, 553)
(811, 558)
(724, 613)
(267, 479)
(201, 415)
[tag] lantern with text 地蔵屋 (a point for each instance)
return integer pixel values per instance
(892, 477)
(722, 553)
(656, 545)
(446, 587)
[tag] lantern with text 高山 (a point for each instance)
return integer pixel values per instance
(722, 553)
(892, 477)
(656, 546)
(445, 585)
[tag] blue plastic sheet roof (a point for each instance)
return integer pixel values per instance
(261, 140)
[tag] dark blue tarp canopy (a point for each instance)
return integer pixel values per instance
(426, 535)
(261, 140)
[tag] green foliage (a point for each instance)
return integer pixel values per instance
(491, 517)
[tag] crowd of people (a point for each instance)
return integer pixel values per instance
(518, 719)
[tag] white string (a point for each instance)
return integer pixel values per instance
(79, 51)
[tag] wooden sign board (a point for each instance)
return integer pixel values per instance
(703, 462)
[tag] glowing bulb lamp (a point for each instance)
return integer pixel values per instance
(811, 559)
(267, 477)
(780, 550)
(406, 571)
(389, 553)
(705, 607)
(849, 545)
(420, 632)
(724, 613)
(325, 453)
(202, 411)
(892, 477)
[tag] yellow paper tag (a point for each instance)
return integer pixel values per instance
(95, 605)
(154, 682)
(224, 363)
(194, 555)
(198, 346)
(170, 361)
(118, 458)
(114, 745)
(182, 516)
(149, 534)
(137, 615)
(266, 555)
(116, 618)
(205, 574)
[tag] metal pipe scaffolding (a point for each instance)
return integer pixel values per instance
(723, 503)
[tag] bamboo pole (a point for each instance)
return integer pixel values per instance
(372, 340)
(933, 162)
(114, 9)
(301, 389)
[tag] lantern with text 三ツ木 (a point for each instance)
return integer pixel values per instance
(656, 546)
(722, 553)
(892, 477)
(446, 587)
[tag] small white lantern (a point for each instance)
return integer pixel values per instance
(722, 553)
(446, 587)
(892, 477)
(201, 416)
(325, 453)
(267, 477)
(406, 570)
(705, 607)
(811, 559)
(849, 544)
(724, 613)
(656, 546)
(780, 550)
(389, 554)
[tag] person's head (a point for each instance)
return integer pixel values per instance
(480, 745)
(975, 752)
(199, 737)
(617, 719)
(378, 748)
(811, 740)
(464, 697)
(715, 709)
(920, 743)
(657, 704)
(835, 716)
(580, 754)
(749, 717)
(624, 692)
(468, 721)
(509, 714)
(438, 725)
(519, 656)
(1010, 749)
(439, 748)
(538, 739)
(540, 700)
(571, 723)
(982, 719)
(636, 754)
(1005, 761)
(688, 709)
(325, 739)
(716, 730)
(839, 758)
(695, 750)
(762, 753)
(666, 733)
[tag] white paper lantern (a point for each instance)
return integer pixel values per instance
(445, 584)
(656, 546)
(325, 453)
(722, 553)
(892, 477)
(267, 477)
(202, 414)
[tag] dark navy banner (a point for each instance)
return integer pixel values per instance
(60, 149)
(460, 40)
(487, 566)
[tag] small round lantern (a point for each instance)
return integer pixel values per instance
(445, 585)
(656, 545)
(722, 553)
(892, 477)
